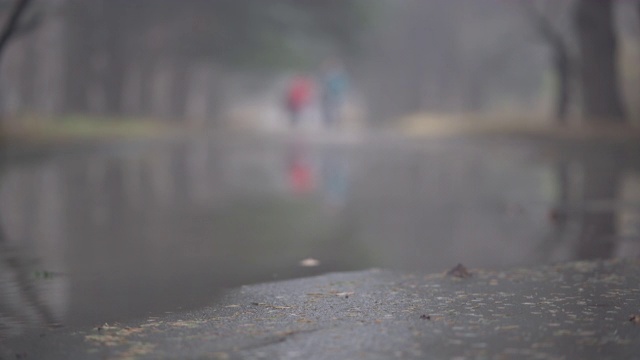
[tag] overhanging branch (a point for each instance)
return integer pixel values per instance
(12, 23)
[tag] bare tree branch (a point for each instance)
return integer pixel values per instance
(12, 23)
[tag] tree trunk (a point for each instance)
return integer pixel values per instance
(598, 54)
(116, 28)
(552, 36)
(563, 78)
(78, 50)
(112, 75)
(178, 91)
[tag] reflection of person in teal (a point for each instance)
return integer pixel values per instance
(334, 85)
(334, 179)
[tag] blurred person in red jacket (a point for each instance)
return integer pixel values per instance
(298, 97)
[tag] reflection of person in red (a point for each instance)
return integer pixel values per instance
(300, 176)
(298, 97)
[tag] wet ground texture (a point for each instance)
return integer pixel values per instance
(577, 310)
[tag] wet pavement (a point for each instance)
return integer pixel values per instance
(578, 310)
(127, 230)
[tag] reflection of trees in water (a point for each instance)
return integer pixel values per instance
(27, 301)
(590, 202)
(198, 211)
(188, 217)
(21, 303)
(601, 182)
(23, 300)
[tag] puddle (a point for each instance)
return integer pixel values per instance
(101, 237)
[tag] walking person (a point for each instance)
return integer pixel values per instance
(298, 97)
(334, 88)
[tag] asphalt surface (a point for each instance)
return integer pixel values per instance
(578, 310)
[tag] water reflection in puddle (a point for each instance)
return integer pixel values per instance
(102, 237)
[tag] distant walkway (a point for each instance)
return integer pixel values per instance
(426, 125)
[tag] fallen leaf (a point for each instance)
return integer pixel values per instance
(309, 262)
(460, 271)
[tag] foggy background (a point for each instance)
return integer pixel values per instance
(149, 162)
(194, 62)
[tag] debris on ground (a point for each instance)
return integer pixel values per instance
(576, 310)
(460, 271)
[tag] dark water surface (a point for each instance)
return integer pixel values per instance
(102, 235)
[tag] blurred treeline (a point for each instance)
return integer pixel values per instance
(163, 58)
(544, 59)
(187, 59)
